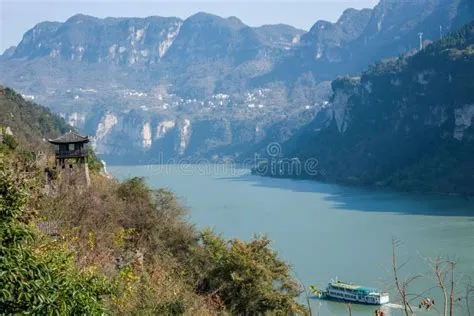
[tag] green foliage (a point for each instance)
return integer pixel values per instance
(248, 277)
(27, 157)
(38, 278)
(134, 188)
(13, 195)
(30, 122)
(95, 165)
(124, 217)
(136, 237)
(459, 38)
(10, 142)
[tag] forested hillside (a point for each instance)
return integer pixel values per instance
(406, 123)
(29, 122)
(116, 248)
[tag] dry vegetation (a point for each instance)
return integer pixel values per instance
(134, 236)
(123, 248)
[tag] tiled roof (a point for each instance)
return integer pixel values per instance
(68, 138)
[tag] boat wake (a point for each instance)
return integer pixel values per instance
(394, 306)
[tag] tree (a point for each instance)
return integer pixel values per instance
(402, 285)
(249, 278)
(440, 275)
(93, 161)
(10, 142)
(38, 277)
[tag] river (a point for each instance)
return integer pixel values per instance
(326, 231)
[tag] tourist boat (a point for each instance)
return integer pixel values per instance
(353, 293)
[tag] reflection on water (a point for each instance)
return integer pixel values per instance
(327, 231)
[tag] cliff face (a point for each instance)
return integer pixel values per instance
(359, 38)
(139, 52)
(146, 88)
(166, 140)
(206, 79)
(405, 123)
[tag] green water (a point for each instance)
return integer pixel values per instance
(326, 231)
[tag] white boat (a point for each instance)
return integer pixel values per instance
(349, 292)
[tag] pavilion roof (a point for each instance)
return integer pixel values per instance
(69, 138)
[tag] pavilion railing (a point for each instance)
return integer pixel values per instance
(71, 153)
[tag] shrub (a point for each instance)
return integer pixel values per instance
(93, 161)
(10, 141)
(39, 278)
(139, 238)
(248, 277)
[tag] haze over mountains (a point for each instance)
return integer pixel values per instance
(207, 86)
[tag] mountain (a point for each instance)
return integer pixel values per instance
(406, 123)
(29, 122)
(154, 83)
(207, 86)
(139, 52)
(8, 53)
(360, 37)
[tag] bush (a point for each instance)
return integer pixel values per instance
(249, 278)
(39, 277)
(10, 142)
(139, 238)
(134, 235)
(93, 161)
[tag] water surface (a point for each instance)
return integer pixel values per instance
(326, 231)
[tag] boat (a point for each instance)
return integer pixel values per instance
(348, 292)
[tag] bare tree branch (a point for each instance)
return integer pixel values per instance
(401, 286)
(440, 278)
(452, 264)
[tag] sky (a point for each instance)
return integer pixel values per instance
(18, 16)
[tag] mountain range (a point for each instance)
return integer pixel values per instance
(405, 123)
(207, 87)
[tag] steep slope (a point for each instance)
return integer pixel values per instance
(8, 53)
(137, 52)
(148, 82)
(114, 40)
(406, 123)
(160, 84)
(54, 240)
(210, 48)
(359, 38)
(29, 122)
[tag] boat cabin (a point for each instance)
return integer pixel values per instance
(357, 293)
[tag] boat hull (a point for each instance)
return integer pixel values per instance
(354, 301)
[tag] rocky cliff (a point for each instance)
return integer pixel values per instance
(360, 37)
(206, 86)
(406, 123)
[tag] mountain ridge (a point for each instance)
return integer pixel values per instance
(389, 29)
(150, 82)
(406, 123)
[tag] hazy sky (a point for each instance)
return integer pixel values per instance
(17, 16)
